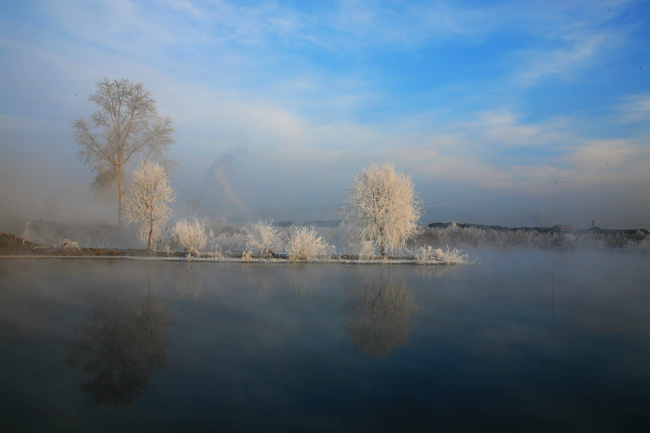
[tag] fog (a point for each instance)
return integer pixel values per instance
(232, 187)
(276, 108)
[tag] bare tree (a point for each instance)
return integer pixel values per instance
(382, 207)
(148, 201)
(126, 124)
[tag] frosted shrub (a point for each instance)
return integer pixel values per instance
(191, 236)
(262, 238)
(68, 244)
(431, 256)
(305, 244)
(366, 250)
(230, 242)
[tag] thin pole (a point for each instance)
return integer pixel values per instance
(555, 181)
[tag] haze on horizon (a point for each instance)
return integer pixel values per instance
(276, 105)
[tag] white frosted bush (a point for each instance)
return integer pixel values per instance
(305, 244)
(262, 238)
(366, 250)
(191, 236)
(68, 244)
(431, 256)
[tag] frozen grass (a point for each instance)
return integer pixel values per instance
(430, 256)
(305, 245)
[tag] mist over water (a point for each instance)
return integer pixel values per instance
(528, 340)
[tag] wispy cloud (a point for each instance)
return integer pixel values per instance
(635, 108)
(578, 53)
(496, 95)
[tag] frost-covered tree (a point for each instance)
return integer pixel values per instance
(125, 125)
(148, 201)
(382, 207)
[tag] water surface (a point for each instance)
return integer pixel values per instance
(523, 341)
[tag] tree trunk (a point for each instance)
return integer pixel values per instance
(120, 189)
(150, 234)
(382, 243)
(119, 209)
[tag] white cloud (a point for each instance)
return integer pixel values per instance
(635, 108)
(579, 52)
(610, 160)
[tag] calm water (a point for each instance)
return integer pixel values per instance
(523, 341)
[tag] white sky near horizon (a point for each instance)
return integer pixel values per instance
(276, 105)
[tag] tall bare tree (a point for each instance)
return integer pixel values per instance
(126, 124)
(382, 207)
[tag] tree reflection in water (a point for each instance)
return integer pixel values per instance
(380, 317)
(305, 278)
(259, 277)
(119, 345)
(189, 284)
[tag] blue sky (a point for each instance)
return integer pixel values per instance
(277, 104)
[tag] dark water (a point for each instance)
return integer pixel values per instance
(524, 341)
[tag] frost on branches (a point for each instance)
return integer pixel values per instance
(305, 245)
(191, 236)
(148, 202)
(431, 256)
(125, 125)
(262, 238)
(382, 207)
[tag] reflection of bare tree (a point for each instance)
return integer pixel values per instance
(381, 317)
(189, 284)
(430, 272)
(119, 345)
(266, 280)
